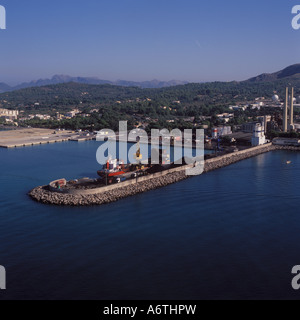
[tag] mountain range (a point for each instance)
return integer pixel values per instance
(57, 79)
(292, 72)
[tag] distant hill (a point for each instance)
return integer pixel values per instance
(81, 92)
(70, 93)
(196, 95)
(58, 79)
(154, 84)
(4, 87)
(292, 72)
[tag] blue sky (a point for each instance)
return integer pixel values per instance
(191, 40)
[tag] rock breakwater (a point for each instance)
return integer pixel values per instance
(44, 195)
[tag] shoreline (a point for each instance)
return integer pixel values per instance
(23, 137)
(28, 137)
(42, 194)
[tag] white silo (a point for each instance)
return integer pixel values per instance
(258, 137)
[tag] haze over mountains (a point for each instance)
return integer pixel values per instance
(292, 72)
(57, 79)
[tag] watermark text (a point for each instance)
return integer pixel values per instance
(188, 147)
(2, 18)
(2, 278)
(296, 18)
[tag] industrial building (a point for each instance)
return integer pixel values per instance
(249, 127)
(265, 120)
(221, 131)
(287, 142)
(258, 137)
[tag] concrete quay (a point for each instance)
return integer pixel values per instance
(33, 136)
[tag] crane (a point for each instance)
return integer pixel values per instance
(138, 156)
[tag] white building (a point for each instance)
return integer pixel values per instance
(257, 105)
(236, 108)
(9, 114)
(226, 117)
(258, 137)
(72, 114)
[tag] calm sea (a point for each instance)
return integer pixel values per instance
(233, 233)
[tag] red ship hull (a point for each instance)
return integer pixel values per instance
(111, 174)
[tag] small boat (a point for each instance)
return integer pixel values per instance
(288, 162)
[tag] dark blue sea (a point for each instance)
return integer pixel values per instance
(233, 233)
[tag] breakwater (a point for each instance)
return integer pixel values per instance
(288, 148)
(104, 195)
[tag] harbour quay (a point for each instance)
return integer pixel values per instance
(36, 136)
(115, 192)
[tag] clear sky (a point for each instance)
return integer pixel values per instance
(191, 40)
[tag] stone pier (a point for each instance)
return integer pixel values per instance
(115, 192)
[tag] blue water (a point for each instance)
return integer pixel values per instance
(232, 233)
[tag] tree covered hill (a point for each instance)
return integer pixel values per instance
(290, 73)
(205, 94)
(81, 90)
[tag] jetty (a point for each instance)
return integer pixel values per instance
(106, 194)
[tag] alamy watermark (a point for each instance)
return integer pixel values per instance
(296, 19)
(2, 278)
(188, 148)
(2, 18)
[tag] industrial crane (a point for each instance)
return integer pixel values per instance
(138, 156)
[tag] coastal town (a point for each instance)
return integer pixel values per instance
(220, 129)
(231, 145)
(150, 155)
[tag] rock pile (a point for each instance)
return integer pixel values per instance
(44, 195)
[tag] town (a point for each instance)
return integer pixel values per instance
(248, 123)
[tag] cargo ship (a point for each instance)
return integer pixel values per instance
(113, 168)
(116, 171)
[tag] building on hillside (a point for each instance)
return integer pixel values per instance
(72, 114)
(9, 114)
(226, 117)
(238, 108)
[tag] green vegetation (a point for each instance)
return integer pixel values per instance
(165, 107)
(192, 96)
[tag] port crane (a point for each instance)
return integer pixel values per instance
(138, 156)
